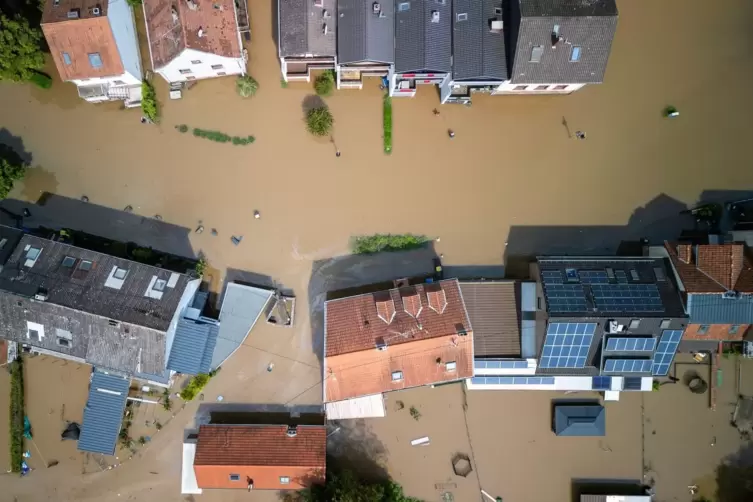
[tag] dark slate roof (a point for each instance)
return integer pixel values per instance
(478, 53)
(9, 238)
(587, 24)
(193, 347)
(579, 420)
(363, 35)
(419, 43)
(103, 414)
(493, 310)
(715, 309)
(301, 28)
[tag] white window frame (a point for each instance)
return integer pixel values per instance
(397, 376)
(284, 480)
(451, 366)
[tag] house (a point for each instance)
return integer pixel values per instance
(616, 498)
(478, 50)
(306, 33)
(256, 457)
(579, 419)
(103, 415)
(558, 46)
(590, 323)
(405, 337)
(365, 41)
(94, 45)
(196, 39)
(423, 45)
(716, 283)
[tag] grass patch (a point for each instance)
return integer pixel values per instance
(387, 123)
(41, 80)
(368, 244)
(221, 137)
(16, 414)
(319, 121)
(149, 106)
(325, 83)
(194, 386)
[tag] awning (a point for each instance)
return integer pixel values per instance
(103, 414)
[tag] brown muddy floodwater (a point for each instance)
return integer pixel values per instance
(511, 164)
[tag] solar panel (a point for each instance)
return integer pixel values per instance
(499, 364)
(627, 297)
(621, 276)
(493, 380)
(627, 365)
(630, 344)
(567, 345)
(601, 383)
(665, 352)
(551, 276)
(593, 276)
(565, 297)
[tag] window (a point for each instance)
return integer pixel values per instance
(575, 54)
(665, 323)
(635, 323)
(463, 16)
(118, 82)
(68, 262)
(634, 275)
(497, 11)
(451, 366)
(113, 322)
(631, 383)
(217, 67)
(734, 329)
(601, 383)
(63, 333)
(562, 88)
(66, 58)
(703, 329)
(120, 273)
(235, 477)
(33, 253)
(190, 78)
(536, 52)
(196, 61)
(556, 31)
(64, 343)
(185, 72)
(541, 87)
(33, 334)
(3, 242)
(221, 73)
(284, 480)
(520, 88)
(159, 285)
(95, 60)
(397, 376)
(403, 6)
(85, 265)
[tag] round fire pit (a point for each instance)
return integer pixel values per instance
(698, 385)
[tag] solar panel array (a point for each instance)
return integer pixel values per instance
(552, 276)
(665, 352)
(508, 364)
(567, 345)
(493, 380)
(621, 276)
(565, 298)
(627, 365)
(627, 297)
(632, 344)
(593, 276)
(601, 383)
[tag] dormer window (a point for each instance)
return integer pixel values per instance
(32, 254)
(85, 265)
(159, 285)
(68, 262)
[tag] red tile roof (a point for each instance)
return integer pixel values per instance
(175, 25)
(354, 324)
(263, 453)
(712, 268)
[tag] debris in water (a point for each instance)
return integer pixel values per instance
(271, 367)
(214, 232)
(199, 229)
(128, 209)
(27, 213)
(236, 240)
(220, 398)
(158, 217)
(671, 112)
(257, 214)
(450, 133)
(84, 198)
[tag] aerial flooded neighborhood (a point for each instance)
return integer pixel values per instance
(376, 251)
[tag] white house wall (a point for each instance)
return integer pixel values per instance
(116, 81)
(122, 22)
(230, 66)
(508, 88)
(562, 383)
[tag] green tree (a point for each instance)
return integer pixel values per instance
(20, 53)
(325, 83)
(9, 174)
(319, 121)
(149, 105)
(246, 86)
(344, 486)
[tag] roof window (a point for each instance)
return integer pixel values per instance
(451, 366)
(463, 16)
(403, 6)
(32, 254)
(397, 376)
(95, 60)
(120, 273)
(159, 285)
(536, 52)
(284, 480)
(575, 54)
(85, 265)
(68, 262)
(66, 59)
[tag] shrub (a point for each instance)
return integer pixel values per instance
(142, 440)
(201, 266)
(9, 174)
(325, 83)
(368, 244)
(182, 128)
(149, 105)
(194, 387)
(319, 121)
(415, 413)
(41, 80)
(167, 404)
(16, 414)
(246, 86)
(387, 123)
(221, 137)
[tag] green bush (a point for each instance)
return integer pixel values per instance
(221, 137)
(182, 128)
(387, 123)
(149, 105)
(194, 387)
(41, 80)
(9, 174)
(368, 244)
(319, 121)
(20, 50)
(134, 3)
(325, 83)
(16, 414)
(201, 266)
(246, 86)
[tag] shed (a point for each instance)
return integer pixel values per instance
(579, 420)
(103, 414)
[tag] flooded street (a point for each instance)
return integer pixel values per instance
(511, 165)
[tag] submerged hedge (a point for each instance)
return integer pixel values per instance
(367, 244)
(16, 414)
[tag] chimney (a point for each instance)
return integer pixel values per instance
(385, 308)
(684, 252)
(437, 300)
(412, 303)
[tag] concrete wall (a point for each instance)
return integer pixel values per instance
(172, 71)
(120, 16)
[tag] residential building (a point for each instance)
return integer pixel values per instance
(306, 34)
(255, 457)
(558, 46)
(478, 51)
(196, 39)
(589, 323)
(94, 46)
(423, 45)
(365, 41)
(616, 498)
(409, 336)
(716, 283)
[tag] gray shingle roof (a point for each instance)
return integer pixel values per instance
(713, 309)
(493, 311)
(588, 25)
(579, 420)
(193, 347)
(301, 28)
(103, 414)
(363, 35)
(478, 53)
(421, 44)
